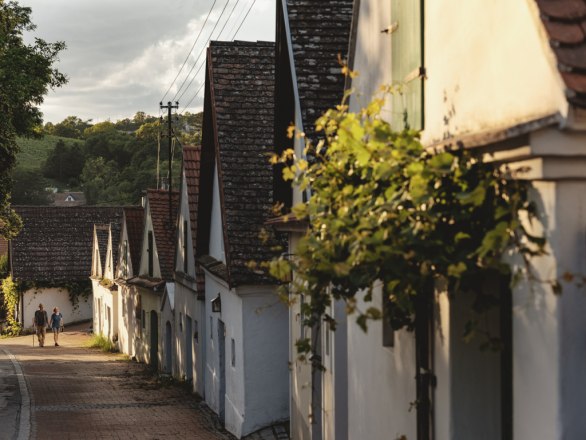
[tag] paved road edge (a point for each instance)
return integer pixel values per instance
(24, 423)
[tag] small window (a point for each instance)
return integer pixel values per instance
(233, 353)
(196, 331)
(211, 328)
(180, 322)
(125, 259)
(143, 315)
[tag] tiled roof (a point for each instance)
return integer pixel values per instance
(134, 227)
(102, 236)
(163, 231)
(3, 246)
(55, 243)
(565, 22)
(320, 31)
(191, 163)
(241, 76)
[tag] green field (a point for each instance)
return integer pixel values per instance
(33, 152)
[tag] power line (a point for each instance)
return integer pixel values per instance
(193, 97)
(243, 20)
(201, 86)
(204, 60)
(203, 48)
(191, 50)
(237, 19)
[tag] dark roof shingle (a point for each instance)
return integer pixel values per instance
(134, 216)
(163, 231)
(242, 80)
(320, 31)
(55, 243)
(191, 164)
(565, 23)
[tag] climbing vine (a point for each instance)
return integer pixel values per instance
(383, 209)
(76, 289)
(10, 296)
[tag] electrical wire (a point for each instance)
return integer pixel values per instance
(201, 86)
(243, 20)
(191, 50)
(237, 20)
(202, 50)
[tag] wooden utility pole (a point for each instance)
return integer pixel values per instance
(169, 108)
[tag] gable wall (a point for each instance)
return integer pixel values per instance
(488, 64)
(216, 247)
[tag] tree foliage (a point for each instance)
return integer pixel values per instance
(385, 210)
(26, 74)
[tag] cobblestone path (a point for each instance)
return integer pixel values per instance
(81, 393)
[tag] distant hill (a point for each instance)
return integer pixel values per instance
(33, 152)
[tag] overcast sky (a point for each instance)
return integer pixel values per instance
(122, 55)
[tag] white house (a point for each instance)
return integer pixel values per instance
(506, 77)
(189, 299)
(105, 292)
(129, 248)
(246, 376)
(52, 254)
(155, 271)
(310, 36)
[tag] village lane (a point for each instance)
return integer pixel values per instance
(76, 392)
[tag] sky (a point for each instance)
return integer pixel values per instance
(123, 55)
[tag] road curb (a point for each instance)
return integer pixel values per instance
(24, 422)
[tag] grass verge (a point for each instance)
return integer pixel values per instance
(101, 342)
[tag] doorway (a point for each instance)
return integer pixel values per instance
(154, 340)
(188, 349)
(222, 366)
(168, 349)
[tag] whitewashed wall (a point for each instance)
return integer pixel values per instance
(216, 249)
(55, 297)
(381, 381)
(480, 75)
(104, 298)
(150, 302)
(265, 351)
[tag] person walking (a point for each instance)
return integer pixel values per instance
(40, 322)
(56, 324)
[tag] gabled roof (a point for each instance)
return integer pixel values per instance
(164, 227)
(191, 164)
(55, 243)
(238, 136)
(319, 33)
(134, 216)
(101, 232)
(565, 23)
(69, 199)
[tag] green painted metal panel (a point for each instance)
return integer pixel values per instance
(407, 62)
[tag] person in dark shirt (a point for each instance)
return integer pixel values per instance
(40, 322)
(56, 324)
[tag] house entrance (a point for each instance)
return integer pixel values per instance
(188, 349)
(168, 343)
(154, 340)
(222, 360)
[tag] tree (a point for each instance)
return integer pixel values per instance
(71, 127)
(29, 188)
(26, 74)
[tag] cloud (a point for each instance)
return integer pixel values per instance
(123, 55)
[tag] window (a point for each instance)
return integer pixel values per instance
(150, 252)
(407, 62)
(180, 322)
(185, 247)
(233, 353)
(211, 328)
(143, 319)
(195, 331)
